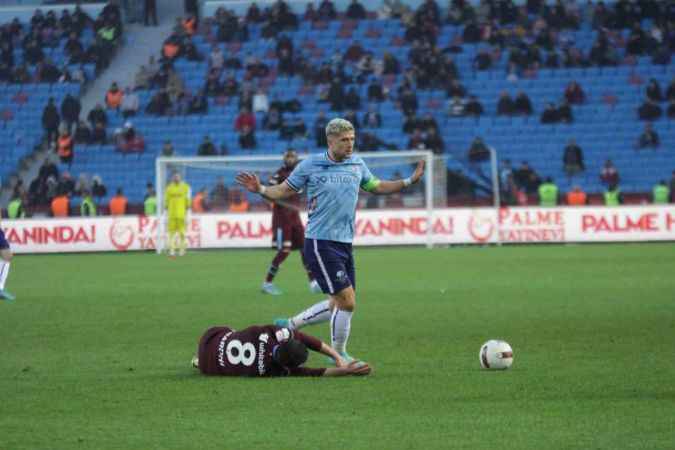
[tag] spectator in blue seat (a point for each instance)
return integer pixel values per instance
(456, 107)
(550, 114)
(473, 107)
(98, 134)
(32, 52)
(564, 112)
(212, 86)
(573, 158)
(372, 118)
(670, 112)
(253, 14)
(522, 104)
(130, 103)
(416, 139)
(505, 105)
(82, 133)
(455, 89)
(20, 75)
(411, 122)
(96, 115)
(648, 138)
(247, 138)
(649, 110)
(653, 91)
(352, 118)
(198, 103)
(526, 178)
(574, 93)
(390, 65)
(433, 141)
(70, 110)
(609, 175)
(336, 95)
(273, 118)
(160, 104)
(356, 11)
(327, 11)
(408, 101)
(47, 72)
(482, 60)
(206, 148)
(74, 49)
(51, 120)
(670, 92)
(352, 100)
(320, 129)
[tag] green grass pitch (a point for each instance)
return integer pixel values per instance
(96, 352)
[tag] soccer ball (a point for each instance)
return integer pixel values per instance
(495, 354)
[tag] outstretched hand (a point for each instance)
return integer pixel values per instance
(249, 180)
(419, 172)
(358, 368)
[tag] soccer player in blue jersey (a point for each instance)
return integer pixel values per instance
(332, 181)
(5, 258)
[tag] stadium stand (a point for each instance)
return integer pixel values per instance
(37, 62)
(538, 49)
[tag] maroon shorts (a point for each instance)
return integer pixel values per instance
(289, 233)
(206, 349)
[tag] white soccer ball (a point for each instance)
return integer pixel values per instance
(495, 354)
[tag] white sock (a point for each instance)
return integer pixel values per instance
(340, 324)
(317, 313)
(4, 271)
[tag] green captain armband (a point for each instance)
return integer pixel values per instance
(371, 184)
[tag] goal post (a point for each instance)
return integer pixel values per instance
(209, 171)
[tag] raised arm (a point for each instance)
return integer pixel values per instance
(391, 187)
(252, 183)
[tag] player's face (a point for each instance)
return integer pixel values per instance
(176, 178)
(290, 160)
(341, 145)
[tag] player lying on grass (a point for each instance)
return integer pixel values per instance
(266, 351)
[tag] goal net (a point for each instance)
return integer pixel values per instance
(215, 177)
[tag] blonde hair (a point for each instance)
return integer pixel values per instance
(338, 126)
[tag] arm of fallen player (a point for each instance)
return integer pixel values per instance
(329, 351)
(391, 187)
(357, 368)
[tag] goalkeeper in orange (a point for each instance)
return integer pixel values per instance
(176, 204)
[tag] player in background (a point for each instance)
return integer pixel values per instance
(288, 233)
(5, 258)
(332, 181)
(177, 203)
(266, 351)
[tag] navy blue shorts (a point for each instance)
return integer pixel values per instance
(331, 263)
(3, 241)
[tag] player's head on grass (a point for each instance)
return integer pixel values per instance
(340, 135)
(291, 353)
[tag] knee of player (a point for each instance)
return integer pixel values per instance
(346, 304)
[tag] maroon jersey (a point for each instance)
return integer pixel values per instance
(280, 213)
(248, 352)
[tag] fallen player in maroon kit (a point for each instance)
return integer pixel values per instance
(266, 351)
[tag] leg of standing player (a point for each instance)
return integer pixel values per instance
(172, 237)
(334, 270)
(5, 258)
(282, 242)
(299, 244)
(182, 240)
